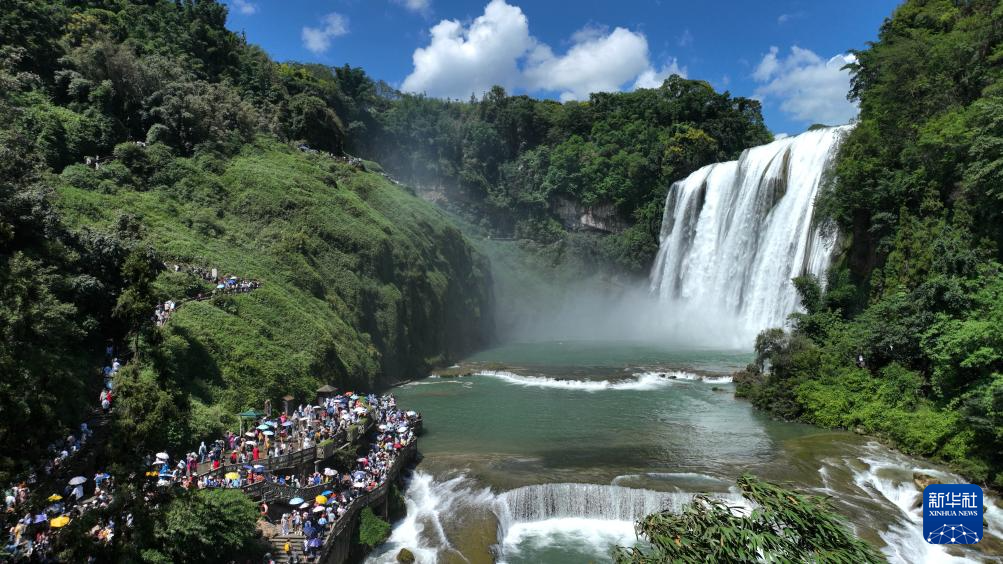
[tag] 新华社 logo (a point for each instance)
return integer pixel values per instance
(952, 514)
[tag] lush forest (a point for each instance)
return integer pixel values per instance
(363, 283)
(525, 168)
(917, 294)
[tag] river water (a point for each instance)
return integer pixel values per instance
(552, 450)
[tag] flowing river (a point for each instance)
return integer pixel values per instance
(552, 450)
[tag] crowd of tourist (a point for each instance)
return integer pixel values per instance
(226, 284)
(395, 431)
(29, 536)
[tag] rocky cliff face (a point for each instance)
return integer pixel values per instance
(575, 216)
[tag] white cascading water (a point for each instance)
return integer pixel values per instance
(734, 234)
(594, 515)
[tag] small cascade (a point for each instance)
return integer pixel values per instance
(734, 234)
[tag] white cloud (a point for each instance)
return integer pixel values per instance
(809, 88)
(461, 60)
(686, 39)
(417, 6)
(599, 64)
(245, 7)
(651, 78)
(784, 18)
(497, 48)
(318, 39)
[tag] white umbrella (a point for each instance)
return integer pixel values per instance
(78, 480)
(163, 456)
(305, 505)
(330, 472)
(318, 509)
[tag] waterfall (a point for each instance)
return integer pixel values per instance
(734, 234)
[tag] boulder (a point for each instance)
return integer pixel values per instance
(923, 480)
(405, 556)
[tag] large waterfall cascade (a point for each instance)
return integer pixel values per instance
(734, 234)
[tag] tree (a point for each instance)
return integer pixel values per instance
(194, 112)
(783, 526)
(214, 525)
(136, 303)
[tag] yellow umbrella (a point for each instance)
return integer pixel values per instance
(321, 500)
(231, 476)
(59, 522)
(55, 497)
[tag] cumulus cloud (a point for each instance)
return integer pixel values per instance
(417, 6)
(651, 78)
(244, 7)
(597, 64)
(808, 88)
(461, 60)
(318, 39)
(497, 48)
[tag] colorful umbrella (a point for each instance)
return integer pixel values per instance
(321, 499)
(59, 522)
(55, 497)
(232, 476)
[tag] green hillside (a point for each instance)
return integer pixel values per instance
(364, 284)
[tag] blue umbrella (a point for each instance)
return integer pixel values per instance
(296, 501)
(271, 423)
(314, 543)
(262, 427)
(326, 493)
(322, 521)
(259, 467)
(40, 518)
(269, 433)
(248, 467)
(287, 424)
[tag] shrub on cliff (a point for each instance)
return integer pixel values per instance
(373, 531)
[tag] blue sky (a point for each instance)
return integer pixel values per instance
(787, 53)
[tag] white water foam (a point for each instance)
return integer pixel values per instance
(643, 382)
(589, 517)
(593, 536)
(686, 376)
(889, 475)
(422, 531)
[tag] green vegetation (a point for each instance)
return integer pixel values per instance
(363, 283)
(373, 531)
(784, 526)
(525, 168)
(918, 289)
(206, 526)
